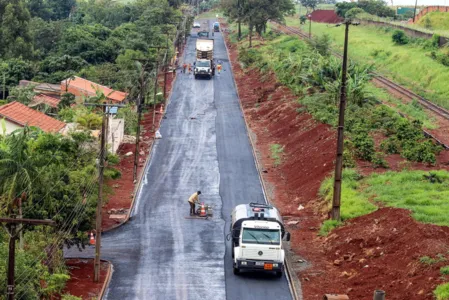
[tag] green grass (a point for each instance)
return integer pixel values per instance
(353, 203)
(426, 260)
(276, 152)
(438, 20)
(412, 109)
(444, 270)
(442, 292)
(408, 65)
(429, 202)
(328, 226)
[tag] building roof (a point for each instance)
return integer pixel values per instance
(50, 101)
(90, 88)
(326, 16)
(22, 115)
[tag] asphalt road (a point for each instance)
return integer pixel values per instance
(161, 254)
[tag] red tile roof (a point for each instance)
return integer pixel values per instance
(22, 115)
(50, 101)
(89, 88)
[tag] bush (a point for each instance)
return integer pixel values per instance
(379, 160)
(113, 159)
(112, 173)
(444, 270)
(249, 56)
(442, 292)
(364, 145)
(390, 146)
(399, 37)
(421, 151)
(353, 12)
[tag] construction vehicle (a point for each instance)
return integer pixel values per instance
(203, 33)
(204, 66)
(257, 232)
(216, 27)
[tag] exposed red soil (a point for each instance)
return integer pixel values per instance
(326, 16)
(81, 282)
(308, 157)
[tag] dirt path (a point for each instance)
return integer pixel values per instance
(375, 251)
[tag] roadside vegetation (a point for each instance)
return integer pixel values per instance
(311, 73)
(417, 63)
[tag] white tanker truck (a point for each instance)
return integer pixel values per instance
(257, 231)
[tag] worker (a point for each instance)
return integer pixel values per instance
(219, 68)
(184, 66)
(192, 200)
(190, 68)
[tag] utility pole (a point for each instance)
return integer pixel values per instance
(340, 134)
(13, 231)
(414, 11)
(310, 26)
(239, 21)
(4, 86)
(98, 229)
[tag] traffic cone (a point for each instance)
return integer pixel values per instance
(202, 210)
(92, 239)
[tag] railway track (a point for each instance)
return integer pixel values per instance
(390, 84)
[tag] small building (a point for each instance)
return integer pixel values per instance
(48, 89)
(81, 88)
(17, 115)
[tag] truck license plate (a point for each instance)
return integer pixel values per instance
(268, 267)
(259, 263)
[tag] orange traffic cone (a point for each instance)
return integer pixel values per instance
(202, 210)
(92, 239)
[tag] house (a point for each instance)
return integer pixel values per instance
(44, 99)
(17, 115)
(48, 89)
(81, 87)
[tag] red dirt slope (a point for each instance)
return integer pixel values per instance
(326, 16)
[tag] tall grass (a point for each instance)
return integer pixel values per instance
(407, 64)
(429, 202)
(353, 203)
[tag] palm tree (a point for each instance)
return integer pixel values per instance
(18, 172)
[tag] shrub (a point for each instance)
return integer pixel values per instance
(113, 159)
(390, 145)
(248, 56)
(112, 173)
(364, 145)
(442, 292)
(444, 270)
(322, 44)
(421, 151)
(399, 37)
(353, 12)
(379, 160)
(276, 150)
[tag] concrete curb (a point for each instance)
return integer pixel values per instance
(292, 279)
(107, 280)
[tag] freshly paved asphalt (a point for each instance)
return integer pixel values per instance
(161, 254)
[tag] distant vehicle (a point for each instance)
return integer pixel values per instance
(257, 231)
(203, 34)
(204, 66)
(216, 27)
(196, 25)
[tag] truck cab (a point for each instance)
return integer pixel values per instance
(203, 67)
(257, 231)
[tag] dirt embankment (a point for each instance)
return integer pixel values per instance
(377, 251)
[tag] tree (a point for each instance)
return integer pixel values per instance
(67, 99)
(17, 171)
(312, 4)
(342, 8)
(15, 35)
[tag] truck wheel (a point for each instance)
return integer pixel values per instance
(236, 271)
(196, 76)
(232, 250)
(279, 274)
(210, 77)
